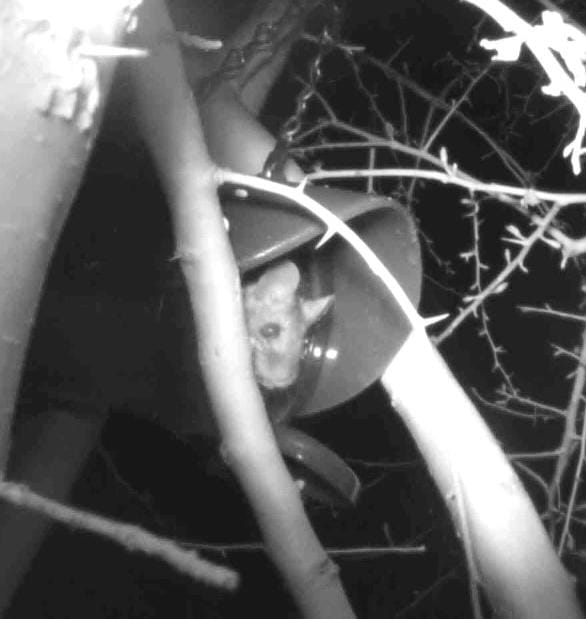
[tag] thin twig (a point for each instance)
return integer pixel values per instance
(513, 265)
(567, 442)
(453, 178)
(527, 309)
(130, 536)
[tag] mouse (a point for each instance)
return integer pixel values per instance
(278, 319)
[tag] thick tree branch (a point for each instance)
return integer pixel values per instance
(175, 137)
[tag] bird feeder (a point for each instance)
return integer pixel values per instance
(351, 348)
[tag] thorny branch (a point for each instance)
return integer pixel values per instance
(477, 286)
(568, 444)
(496, 284)
(540, 208)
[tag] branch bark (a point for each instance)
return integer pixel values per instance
(175, 137)
(508, 552)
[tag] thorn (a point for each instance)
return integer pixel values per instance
(111, 51)
(197, 42)
(444, 156)
(325, 238)
(302, 185)
(552, 242)
(514, 241)
(432, 320)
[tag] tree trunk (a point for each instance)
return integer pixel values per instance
(50, 103)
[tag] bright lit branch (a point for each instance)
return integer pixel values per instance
(546, 40)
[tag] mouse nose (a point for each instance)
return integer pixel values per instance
(276, 372)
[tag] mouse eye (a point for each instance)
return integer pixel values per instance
(270, 331)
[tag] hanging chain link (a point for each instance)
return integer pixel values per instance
(266, 38)
(277, 158)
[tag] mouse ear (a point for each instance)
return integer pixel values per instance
(314, 309)
(283, 279)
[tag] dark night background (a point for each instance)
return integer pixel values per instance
(173, 484)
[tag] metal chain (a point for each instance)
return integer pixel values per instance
(275, 162)
(265, 38)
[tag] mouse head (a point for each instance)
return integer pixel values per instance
(278, 319)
